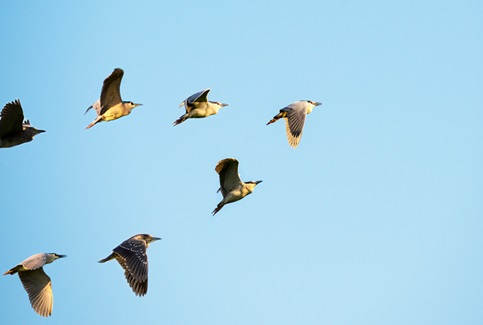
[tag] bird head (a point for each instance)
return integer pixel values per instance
(220, 104)
(33, 131)
(313, 103)
(147, 238)
(132, 105)
(53, 256)
(251, 184)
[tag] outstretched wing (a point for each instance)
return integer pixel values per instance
(228, 171)
(39, 289)
(131, 255)
(111, 93)
(190, 102)
(294, 124)
(11, 118)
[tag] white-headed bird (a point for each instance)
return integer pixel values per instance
(110, 106)
(36, 282)
(231, 187)
(294, 115)
(198, 106)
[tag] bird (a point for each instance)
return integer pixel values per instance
(110, 106)
(231, 187)
(294, 115)
(36, 282)
(198, 106)
(131, 255)
(13, 129)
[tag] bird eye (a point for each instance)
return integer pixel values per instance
(131, 103)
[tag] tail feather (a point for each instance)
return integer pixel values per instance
(277, 117)
(110, 257)
(13, 270)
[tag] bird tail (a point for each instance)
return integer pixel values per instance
(13, 270)
(110, 257)
(277, 117)
(180, 120)
(218, 208)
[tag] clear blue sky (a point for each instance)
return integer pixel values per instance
(376, 218)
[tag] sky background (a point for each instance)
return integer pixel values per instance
(376, 218)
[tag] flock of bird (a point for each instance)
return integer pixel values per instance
(131, 254)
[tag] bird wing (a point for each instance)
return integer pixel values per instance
(111, 93)
(132, 257)
(34, 262)
(11, 118)
(294, 123)
(96, 106)
(201, 96)
(39, 289)
(228, 171)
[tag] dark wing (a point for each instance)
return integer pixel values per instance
(111, 93)
(294, 123)
(228, 171)
(131, 255)
(11, 118)
(201, 96)
(39, 288)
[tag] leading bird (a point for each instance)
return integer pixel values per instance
(36, 282)
(294, 115)
(231, 186)
(110, 106)
(131, 255)
(13, 129)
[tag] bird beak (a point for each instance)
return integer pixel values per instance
(136, 105)
(61, 256)
(223, 104)
(258, 182)
(155, 238)
(40, 131)
(317, 103)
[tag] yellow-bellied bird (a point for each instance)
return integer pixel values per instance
(198, 106)
(13, 129)
(131, 255)
(294, 115)
(231, 187)
(36, 282)
(110, 106)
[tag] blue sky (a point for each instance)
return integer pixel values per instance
(376, 217)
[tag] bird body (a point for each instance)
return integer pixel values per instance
(36, 282)
(110, 106)
(294, 115)
(198, 106)
(13, 129)
(231, 187)
(131, 255)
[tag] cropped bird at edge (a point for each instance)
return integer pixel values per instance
(294, 115)
(131, 255)
(36, 282)
(198, 106)
(110, 106)
(231, 187)
(13, 129)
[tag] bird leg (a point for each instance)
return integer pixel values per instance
(181, 119)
